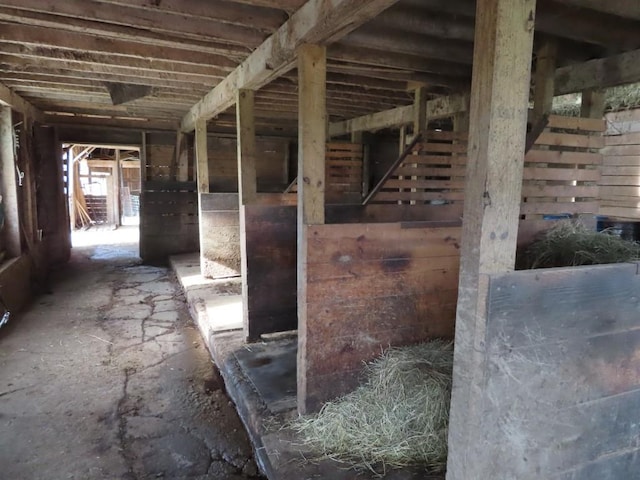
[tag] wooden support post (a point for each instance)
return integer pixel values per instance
(202, 158)
(71, 186)
(312, 134)
(498, 119)
(116, 189)
(245, 114)
(420, 122)
(247, 190)
(202, 174)
(9, 185)
(593, 104)
(544, 79)
(312, 137)
(543, 97)
(182, 156)
(142, 241)
(420, 110)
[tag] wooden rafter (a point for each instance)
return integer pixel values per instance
(313, 23)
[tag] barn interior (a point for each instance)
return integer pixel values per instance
(356, 175)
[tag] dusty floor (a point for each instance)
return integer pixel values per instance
(107, 378)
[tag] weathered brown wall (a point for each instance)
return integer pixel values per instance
(371, 286)
(271, 164)
(220, 223)
(51, 201)
(168, 219)
(270, 279)
(168, 208)
(15, 282)
(558, 379)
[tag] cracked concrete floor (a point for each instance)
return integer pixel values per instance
(107, 378)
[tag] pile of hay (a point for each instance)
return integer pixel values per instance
(398, 418)
(616, 98)
(569, 244)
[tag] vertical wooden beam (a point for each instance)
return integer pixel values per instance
(116, 188)
(9, 185)
(245, 115)
(420, 121)
(593, 104)
(545, 75)
(182, 156)
(419, 110)
(312, 135)
(498, 119)
(142, 241)
(202, 174)
(247, 190)
(202, 159)
(71, 186)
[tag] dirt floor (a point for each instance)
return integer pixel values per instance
(107, 378)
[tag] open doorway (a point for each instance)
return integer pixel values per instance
(103, 185)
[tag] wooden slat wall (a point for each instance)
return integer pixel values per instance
(371, 286)
(561, 174)
(271, 279)
(271, 164)
(432, 175)
(620, 184)
(562, 171)
(220, 252)
(169, 219)
(344, 173)
(560, 376)
(344, 168)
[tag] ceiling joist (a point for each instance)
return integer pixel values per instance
(315, 22)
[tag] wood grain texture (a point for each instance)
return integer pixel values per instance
(498, 123)
(269, 269)
(370, 286)
(620, 184)
(560, 374)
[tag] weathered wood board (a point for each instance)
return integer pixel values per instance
(620, 191)
(270, 280)
(371, 286)
(168, 220)
(560, 367)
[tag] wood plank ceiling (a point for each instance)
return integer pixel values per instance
(66, 56)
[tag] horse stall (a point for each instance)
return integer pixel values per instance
(219, 205)
(382, 278)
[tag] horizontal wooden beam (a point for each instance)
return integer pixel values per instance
(45, 36)
(257, 16)
(599, 73)
(438, 108)
(11, 99)
(412, 62)
(315, 22)
(621, 8)
(110, 122)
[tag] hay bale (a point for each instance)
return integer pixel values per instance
(398, 418)
(570, 244)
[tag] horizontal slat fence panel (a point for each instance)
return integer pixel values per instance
(561, 174)
(620, 192)
(344, 169)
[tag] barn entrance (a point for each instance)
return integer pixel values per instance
(103, 185)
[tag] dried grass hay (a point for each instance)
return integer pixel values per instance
(570, 244)
(398, 418)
